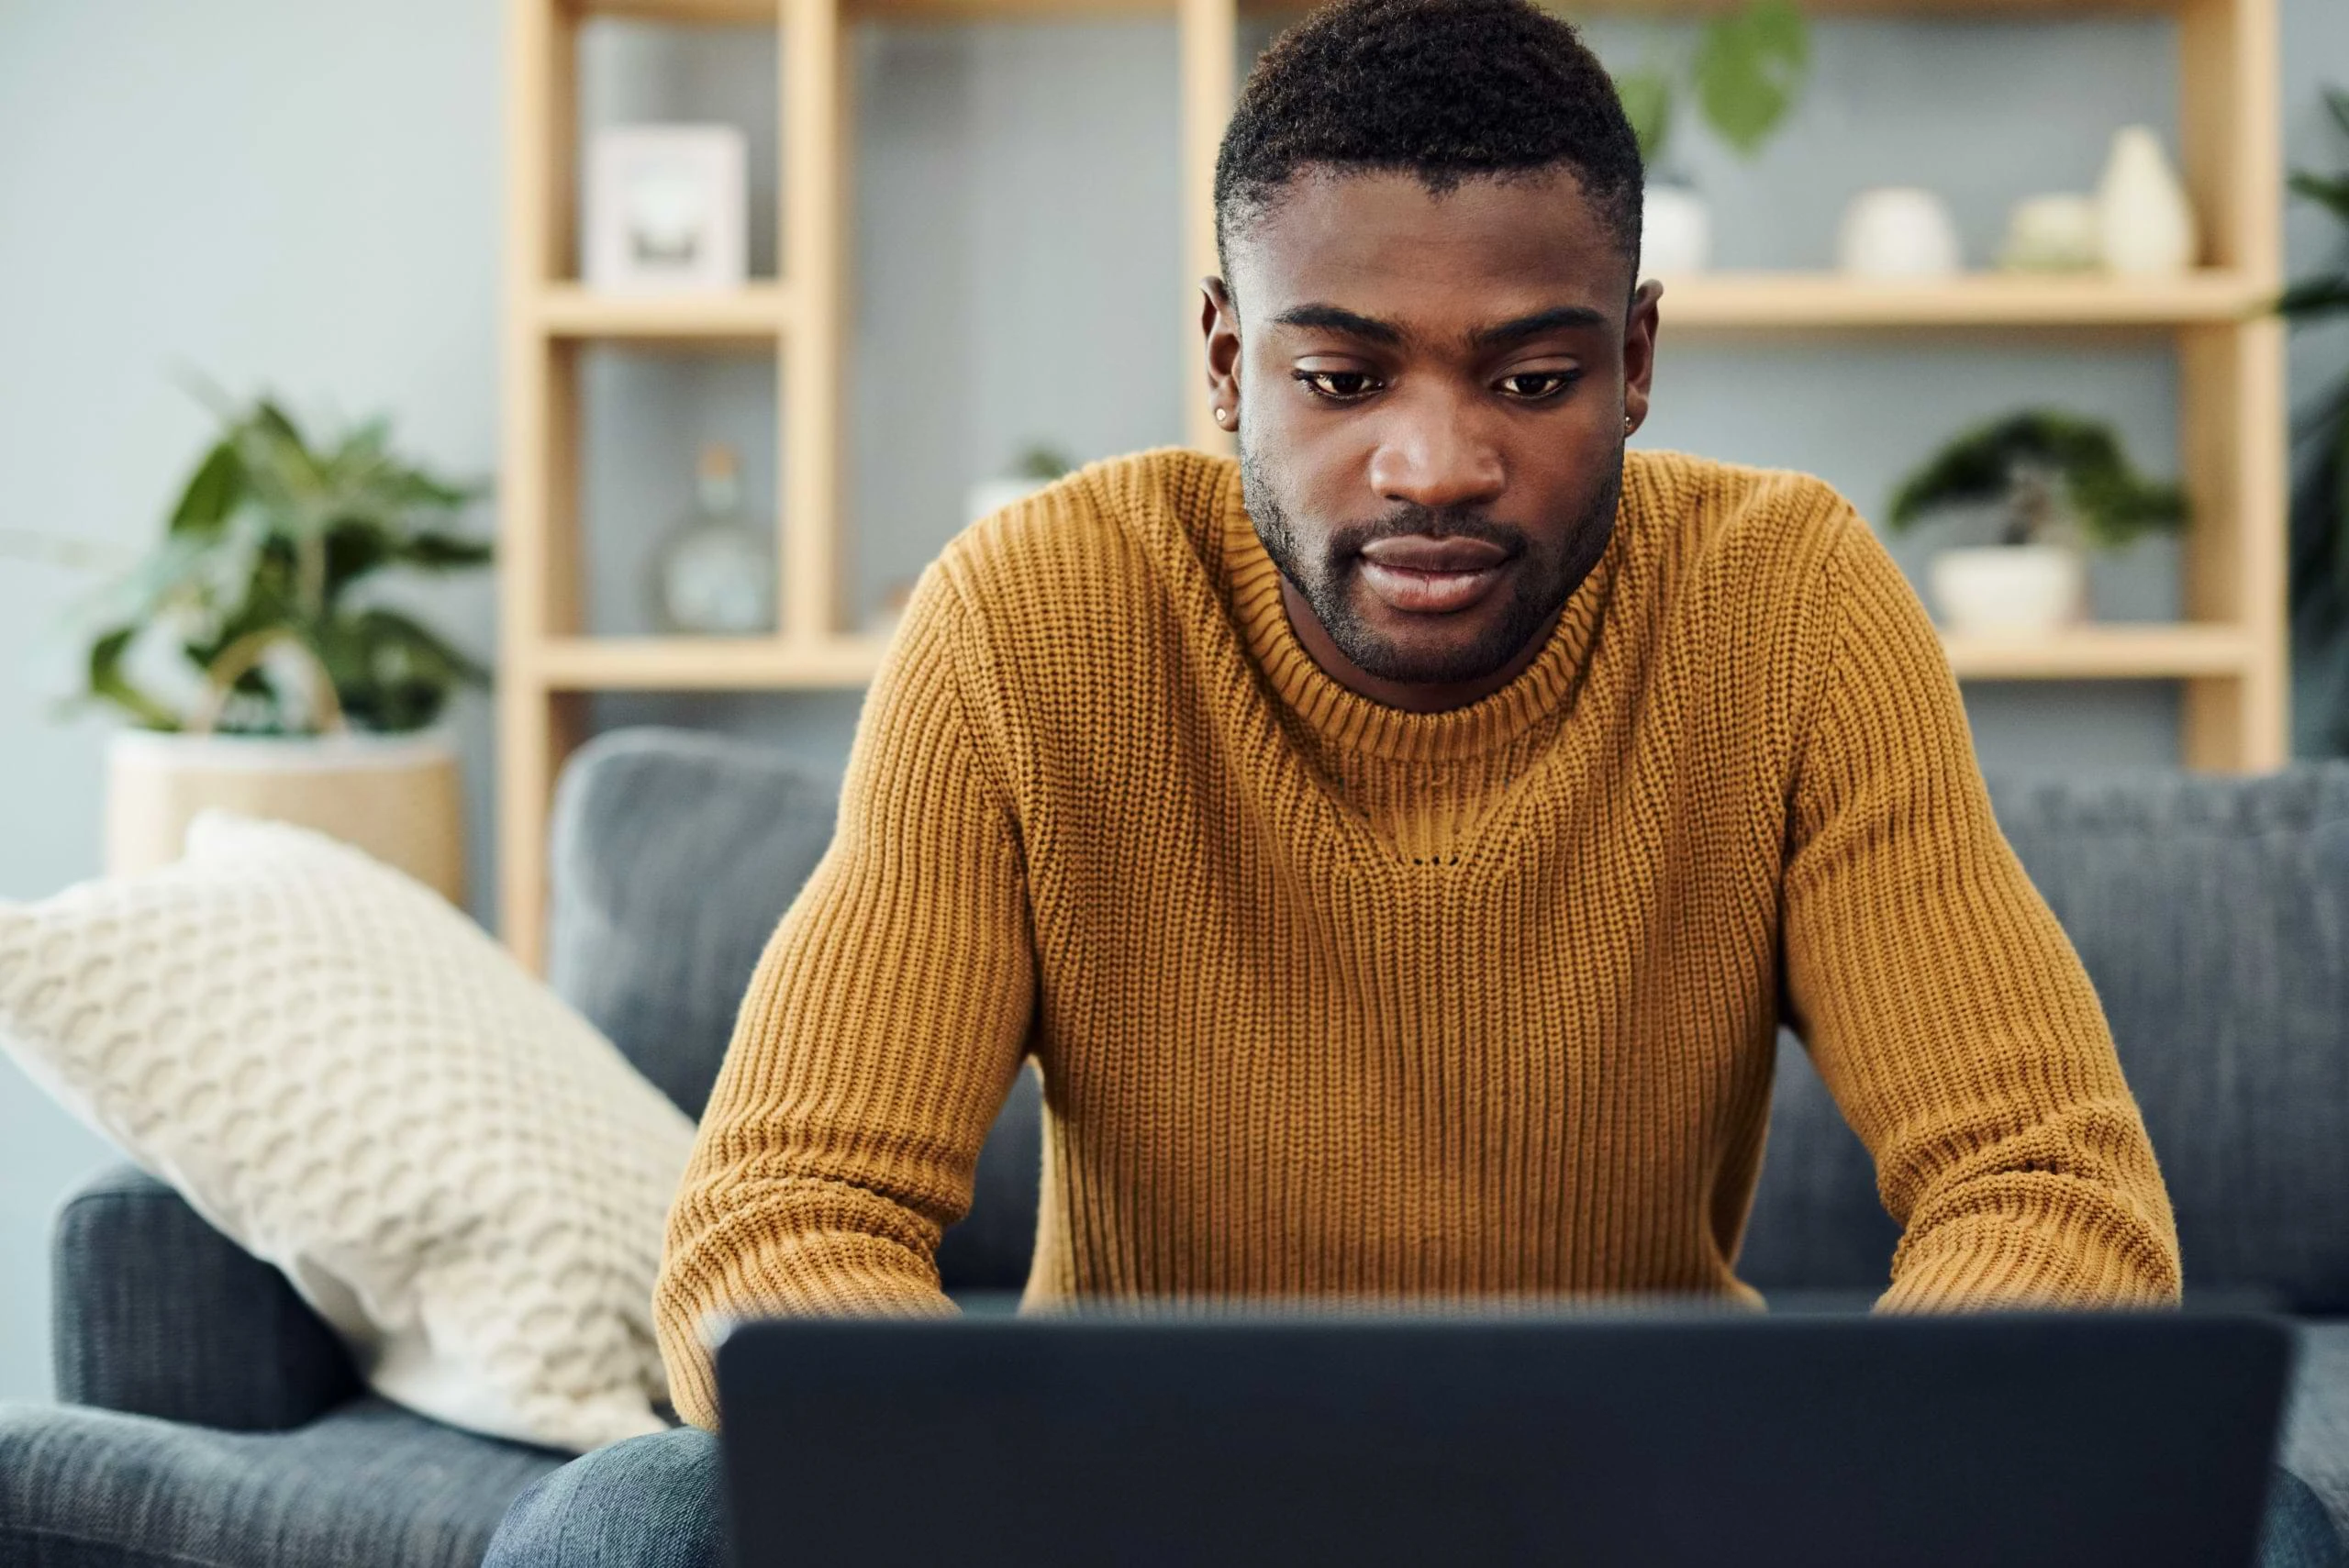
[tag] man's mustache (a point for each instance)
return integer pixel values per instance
(1432, 522)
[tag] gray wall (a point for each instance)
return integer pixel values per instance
(306, 196)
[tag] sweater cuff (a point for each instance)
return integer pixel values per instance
(1991, 1261)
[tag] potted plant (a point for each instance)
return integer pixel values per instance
(1746, 72)
(2060, 482)
(2320, 569)
(260, 671)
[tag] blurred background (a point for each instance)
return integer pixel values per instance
(311, 201)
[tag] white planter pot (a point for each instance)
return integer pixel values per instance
(2009, 590)
(395, 797)
(1676, 231)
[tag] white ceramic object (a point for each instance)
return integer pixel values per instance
(398, 797)
(1676, 231)
(2147, 221)
(2009, 590)
(1899, 231)
(2058, 232)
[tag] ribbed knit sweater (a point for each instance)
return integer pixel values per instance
(1332, 998)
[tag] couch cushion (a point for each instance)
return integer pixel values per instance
(671, 856)
(2213, 916)
(674, 852)
(2316, 1428)
(367, 1486)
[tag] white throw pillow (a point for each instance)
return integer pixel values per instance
(353, 1082)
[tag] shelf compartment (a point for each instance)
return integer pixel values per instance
(706, 664)
(756, 315)
(2111, 651)
(1771, 302)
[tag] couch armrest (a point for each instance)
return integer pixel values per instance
(156, 1313)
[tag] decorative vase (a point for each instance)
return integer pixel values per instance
(2009, 590)
(2060, 232)
(1899, 231)
(1676, 231)
(395, 797)
(2144, 217)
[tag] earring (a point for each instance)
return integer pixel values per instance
(1223, 415)
(1627, 424)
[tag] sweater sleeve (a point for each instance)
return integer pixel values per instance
(1940, 1001)
(883, 1029)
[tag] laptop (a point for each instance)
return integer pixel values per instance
(1666, 1441)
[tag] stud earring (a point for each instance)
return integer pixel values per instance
(1627, 424)
(1223, 415)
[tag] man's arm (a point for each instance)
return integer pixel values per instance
(883, 1029)
(1941, 1003)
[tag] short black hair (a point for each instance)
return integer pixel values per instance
(1443, 89)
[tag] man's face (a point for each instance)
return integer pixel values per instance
(1433, 394)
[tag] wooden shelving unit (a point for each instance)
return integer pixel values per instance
(2229, 654)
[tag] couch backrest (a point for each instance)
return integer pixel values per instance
(2213, 916)
(672, 853)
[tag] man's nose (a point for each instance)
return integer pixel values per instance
(1432, 455)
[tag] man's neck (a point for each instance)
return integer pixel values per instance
(1411, 697)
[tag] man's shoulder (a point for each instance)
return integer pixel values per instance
(1769, 537)
(1703, 500)
(1092, 538)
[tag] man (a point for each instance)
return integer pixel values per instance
(1398, 849)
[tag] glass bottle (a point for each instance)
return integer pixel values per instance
(714, 571)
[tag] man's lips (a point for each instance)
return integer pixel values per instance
(1420, 574)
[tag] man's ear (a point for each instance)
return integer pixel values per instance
(1219, 330)
(1639, 352)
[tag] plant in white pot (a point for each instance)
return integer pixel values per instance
(261, 670)
(1746, 70)
(2061, 483)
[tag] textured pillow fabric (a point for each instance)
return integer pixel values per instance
(353, 1082)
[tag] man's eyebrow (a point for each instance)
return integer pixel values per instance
(1558, 320)
(1337, 319)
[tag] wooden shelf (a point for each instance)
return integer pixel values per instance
(706, 664)
(2230, 660)
(762, 13)
(1768, 301)
(2114, 652)
(756, 315)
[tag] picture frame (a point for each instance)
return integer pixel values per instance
(667, 209)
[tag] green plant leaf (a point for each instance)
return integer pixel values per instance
(107, 682)
(1749, 69)
(2330, 192)
(2337, 100)
(430, 551)
(2112, 502)
(2316, 296)
(212, 492)
(1646, 96)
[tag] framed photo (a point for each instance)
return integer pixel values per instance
(666, 209)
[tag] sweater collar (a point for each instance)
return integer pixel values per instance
(1349, 721)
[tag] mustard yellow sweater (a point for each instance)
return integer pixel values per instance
(1330, 997)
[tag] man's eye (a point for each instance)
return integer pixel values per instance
(1533, 386)
(1339, 386)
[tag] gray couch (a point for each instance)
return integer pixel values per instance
(208, 1418)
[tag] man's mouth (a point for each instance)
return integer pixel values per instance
(1420, 574)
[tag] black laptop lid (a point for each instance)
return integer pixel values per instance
(2016, 1441)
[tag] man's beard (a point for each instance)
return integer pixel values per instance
(1545, 576)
